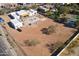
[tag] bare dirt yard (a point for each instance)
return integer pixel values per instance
(61, 34)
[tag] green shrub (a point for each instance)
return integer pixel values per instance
(51, 29)
(31, 42)
(54, 46)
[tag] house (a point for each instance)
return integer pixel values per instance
(30, 12)
(17, 21)
(42, 9)
(25, 4)
(15, 24)
(8, 5)
(14, 15)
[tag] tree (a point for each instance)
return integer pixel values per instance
(56, 15)
(49, 30)
(2, 11)
(63, 10)
(74, 6)
(25, 8)
(21, 8)
(18, 8)
(77, 22)
(54, 46)
(34, 6)
(49, 13)
(31, 42)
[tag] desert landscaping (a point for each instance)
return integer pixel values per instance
(34, 42)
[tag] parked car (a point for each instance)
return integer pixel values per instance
(1, 20)
(71, 23)
(19, 30)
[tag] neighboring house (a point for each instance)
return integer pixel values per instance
(8, 5)
(14, 23)
(25, 4)
(42, 9)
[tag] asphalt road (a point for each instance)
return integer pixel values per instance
(4, 51)
(5, 48)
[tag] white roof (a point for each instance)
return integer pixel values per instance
(15, 22)
(33, 10)
(44, 8)
(15, 15)
(21, 12)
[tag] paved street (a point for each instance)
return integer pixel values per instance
(5, 48)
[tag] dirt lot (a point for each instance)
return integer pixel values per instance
(61, 35)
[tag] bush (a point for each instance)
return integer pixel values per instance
(49, 30)
(31, 42)
(76, 12)
(1, 12)
(54, 46)
(44, 31)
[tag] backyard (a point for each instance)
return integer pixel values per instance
(34, 43)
